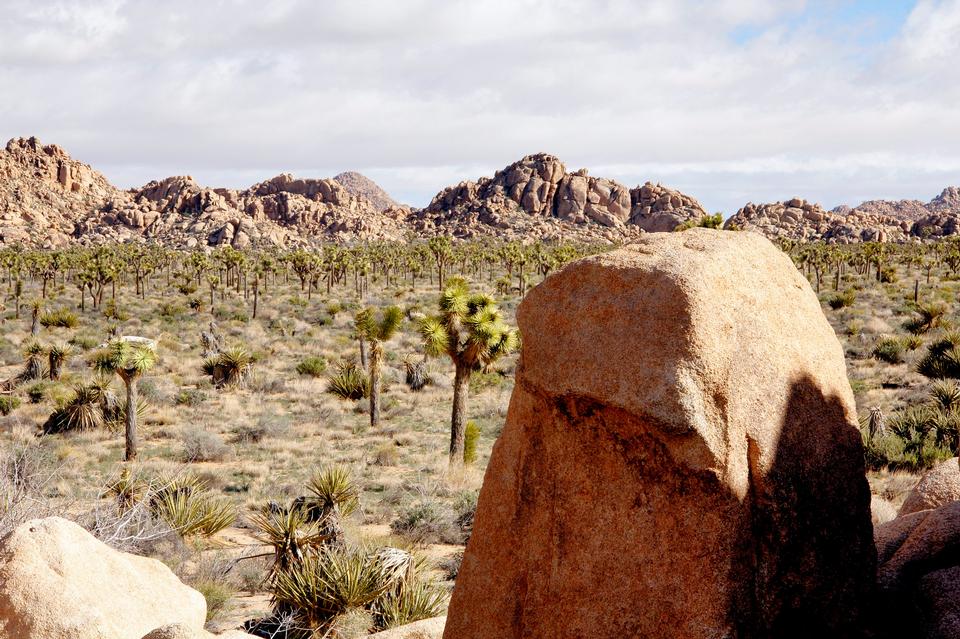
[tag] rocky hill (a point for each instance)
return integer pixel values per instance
(49, 199)
(362, 186)
(43, 192)
(797, 219)
(536, 196)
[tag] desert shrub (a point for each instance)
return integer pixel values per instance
(83, 342)
(266, 426)
(190, 397)
(451, 565)
(386, 455)
(37, 392)
(312, 366)
(471, 436)
(889, 349)
(8, 404)
(59, 318)
(349, 382)
(201, 445)
(465, 507)
(842, 300)
(854, 328)
(945, 394)
(888, 275)
(216, 593)
(171, 310)
(426, 522)
(114, 311)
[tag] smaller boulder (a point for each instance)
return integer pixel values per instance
(938, 487)
(60, 582)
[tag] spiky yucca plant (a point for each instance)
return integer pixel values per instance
(291, 535)
(193, 514)
(928, 316)
(328, 584)
(377, 328)
(945, 393)
(419, 600)
(81, 412)
(33, 366)
(129, 360)
(942, 358)
(56, 357)
(229, 367)
(349, 381)
(470, 330)
(333, 496)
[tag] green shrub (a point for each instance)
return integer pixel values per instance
(8, 404)
(59, 318)
(312, 366)
(84, 342)
(842, 300)
(216, 593)
(889, 349)
(190, 397)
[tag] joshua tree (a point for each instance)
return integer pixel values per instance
(471, 331)
(377, 329)
(56, 356)
(35, 309)
(128, 359)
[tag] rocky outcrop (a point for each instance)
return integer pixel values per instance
(919, 573)
(361, 186)
(680, 458)
(797, 219)
(537, 194)
(939, 486)
(59, 582)
(43, 192)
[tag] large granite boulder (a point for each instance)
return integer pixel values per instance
(680, 458)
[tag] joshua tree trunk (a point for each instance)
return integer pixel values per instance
(56, 365)
(461, 387)
(35, 322)
(131, 418)
(363, 353)
(376, 357)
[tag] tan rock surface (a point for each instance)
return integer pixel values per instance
(939, 486)
(919, 573)
(182, 631)
(680, 459)
(424, 629)
(59, 582)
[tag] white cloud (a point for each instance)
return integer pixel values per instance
(733, 100)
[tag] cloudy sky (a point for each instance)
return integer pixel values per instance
(728, 100)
